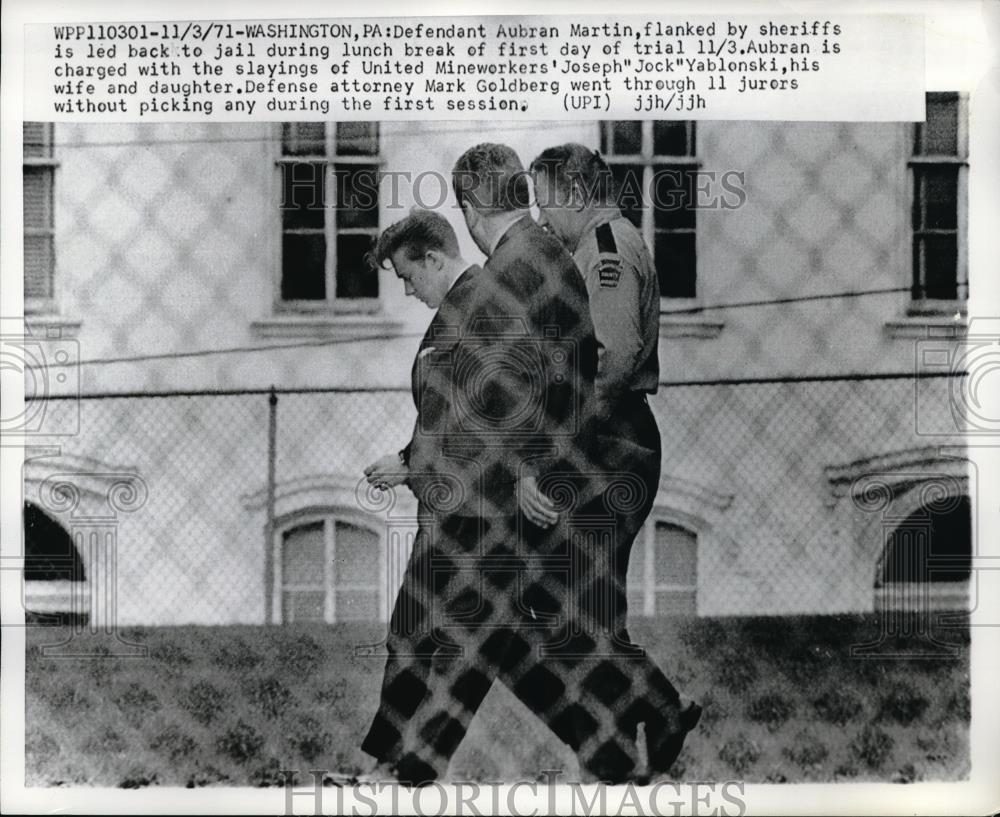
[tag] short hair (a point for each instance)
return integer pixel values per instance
(420, 231)
(491, 177)
(574, 164)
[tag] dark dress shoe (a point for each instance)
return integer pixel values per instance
(663, 753)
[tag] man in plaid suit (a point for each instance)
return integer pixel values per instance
(505, 418)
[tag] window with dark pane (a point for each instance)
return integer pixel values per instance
(354, 278)
(39, 218)
(303, 246)
(303, 195)
(357, 139)
(674, 230)
(673, 196)
(626, 138)
(937, 257)
(37, 139)
(303, 259)
(357, 196)
(303, 139)
(938, 168)
(629, 191)
(675, 259)
(671, 138)
(933, 544)
(49, 551)
(654, 165)
(330, 210)
(938, 134)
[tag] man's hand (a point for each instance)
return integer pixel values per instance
(534, 504)
(386, 472)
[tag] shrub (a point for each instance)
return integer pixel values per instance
(65, 696)
(702, 634)
(764, 633)
(171, 655)
(101, 667)
(136, 702)
(205, 777)
(267, 774)
(845, 771)
(872, 746)
(241, 742)
(902, 704)
(803, 663)
(735, 673)
(40, 744)
(137, 778)
(300, 654)
(134, 635)
(173, 742)
(237, 655)
(269, 695)
(307, 736)
(333, 694)
(772, 709)
(837, 706)
(937, 744)
(741, 754)
(807, 751)
(713, 712)
(105, 741)
(873, 671)
(959, 705)
(202, 701)
(907, 773)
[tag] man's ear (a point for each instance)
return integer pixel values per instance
(434, 259)
(471, 214)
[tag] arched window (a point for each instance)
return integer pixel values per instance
(329, 571)
(49, 552)
(932, 545)
(663, 571)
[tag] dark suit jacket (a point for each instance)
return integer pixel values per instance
(503, 380)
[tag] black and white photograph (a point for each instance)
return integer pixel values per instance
(597, 454)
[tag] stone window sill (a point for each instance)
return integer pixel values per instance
(326, 326)
(51, 325)
(689, 326)
(940, 325)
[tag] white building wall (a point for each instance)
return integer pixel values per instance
(167, 242)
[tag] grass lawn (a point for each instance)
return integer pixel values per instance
(784, 701)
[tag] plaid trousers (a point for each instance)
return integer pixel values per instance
(544, 612)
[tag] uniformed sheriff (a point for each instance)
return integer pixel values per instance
(574, 193)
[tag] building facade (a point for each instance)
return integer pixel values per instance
(183, 270)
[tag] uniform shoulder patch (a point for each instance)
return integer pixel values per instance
(609, 271)
(609, 263)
